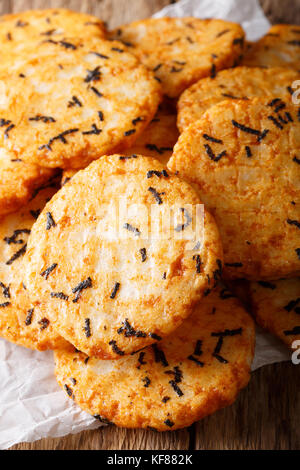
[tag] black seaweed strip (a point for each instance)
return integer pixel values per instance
(156, 195)
(87, 283)
(115, 290)
(29, 316)
(93, 75)
(44, 322)
(277, 123)
(146, 381)
(59, 295)
(159, 355)
(48, 271)
(115, 348)
(130, 228)
(194, 359)
(294, 331)
(248, 151)
(5, 304)
(87, 327)
(17, 255)
(155, 336)
(294, 222)
(143, 253)
(291, 305)
(13, 238)
(177, 390)
(212, 139)
(97, 92)
(50, 221)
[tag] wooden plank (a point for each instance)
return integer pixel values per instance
(114, 12)
(266, 414)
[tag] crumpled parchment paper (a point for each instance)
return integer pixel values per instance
(32, 406)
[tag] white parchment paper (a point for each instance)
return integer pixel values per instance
(32, 406)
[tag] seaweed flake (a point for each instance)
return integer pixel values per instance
(50, 221)
(60, 137)
(177, 374)
(141, 358)
(176, 388)
(5, 290)
(143, 253)
(87, 327)
(130, 228)
(157, 173)
(4, 304)
(129, 331)
(13, 238)
(115, 348)
(294, 222)
(212, 155)
(212, 139)
(86, 284)
(226, 294)
(93, 75)
(17, 255)
(165, 399)
(169, 423)
(48, 271)
(146, 381)
(115, 290)
(159, 355)
(197, 258)
(101, 116)
(130, 132)
(45, 119)
(276, 122)
(44, 322)
(74, 102)
(59, 295)
(102, 56)
(68, 390)
(294, 331)
(198, 348)
(155, 336)
(194, 359)
(292, 304)
(35, 214)
(97, 92)
(298, 252)
(156, 195)
(94, 130)
(248, 151)
(29, 316)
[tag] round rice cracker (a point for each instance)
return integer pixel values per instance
(243, 156)
(197, 370)
(127, 278)
(278, 48)
(276, 307)
(64, 104)
(237, 83)
(180, 51)
(17, 28)
(20, 322)
(157, 140)
(18, 181)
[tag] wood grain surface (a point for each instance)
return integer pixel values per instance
(266, 414)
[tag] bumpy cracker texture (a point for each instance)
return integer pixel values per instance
(279, 47)
(19, 321)
(180, 51)
(18, 181)
(276, 306)
(123, 289)
(249, 180)
(56, 24)
(237, 83)
(64, 104)
(157, 140)
(200, 368)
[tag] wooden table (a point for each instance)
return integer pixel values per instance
(266, 414)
